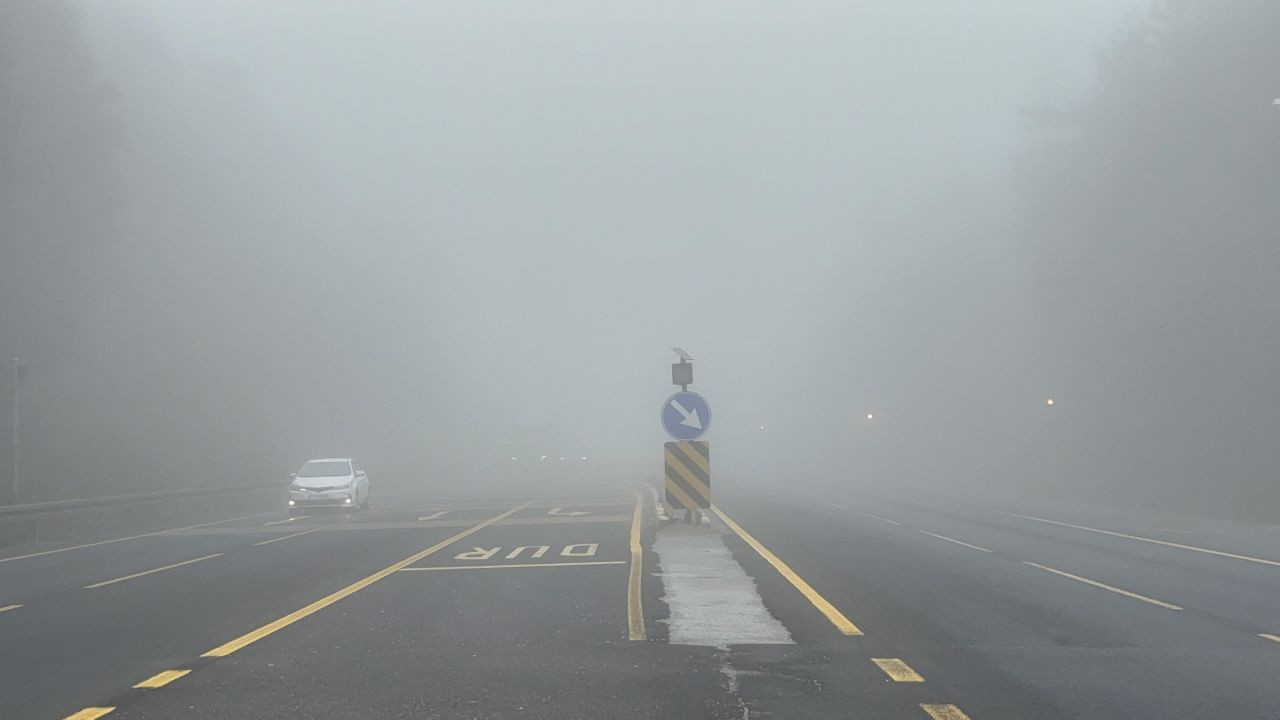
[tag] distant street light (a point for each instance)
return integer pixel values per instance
(870, 416)
(584, 458)
(1049, 402)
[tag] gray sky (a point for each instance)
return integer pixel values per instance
(535, 199)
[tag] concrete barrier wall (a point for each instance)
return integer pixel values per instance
(86, 520)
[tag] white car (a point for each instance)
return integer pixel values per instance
(329, 482)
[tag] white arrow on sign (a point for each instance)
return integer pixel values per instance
(690, 418)
(570, 513)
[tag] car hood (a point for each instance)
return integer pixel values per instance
(321, 482)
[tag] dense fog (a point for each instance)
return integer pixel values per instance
(235, 235)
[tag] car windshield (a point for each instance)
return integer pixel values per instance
(325, 468)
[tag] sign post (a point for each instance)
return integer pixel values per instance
(686, 416)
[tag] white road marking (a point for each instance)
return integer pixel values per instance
(433, 516)
(834, 505)
(957, 542)
(711, 599)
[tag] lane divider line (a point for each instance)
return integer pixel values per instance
(255, 635)
(837, 618)
(1139, 538)
(286, 520)
(514, 565)
(1265, 636)
(105, 583)
(131, 537)
(89, 713)
(7, 608)
(877, 517)
(1104, 586)
(290, 535)
(897, 670)
(834, 505)
(635, 576)
(957, 542)
(943, 712)
(161, 679)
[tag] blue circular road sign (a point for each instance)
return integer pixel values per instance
(686, 415)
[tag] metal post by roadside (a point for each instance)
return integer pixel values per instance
(17, 414)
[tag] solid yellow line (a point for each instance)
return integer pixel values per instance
(518, 565)
(104, 583)
(688, 502)
(161, 679)
(324, 602)
(9, 607)
(635, 578)
(837, 618)
(89, 713)
(944, 712)
(897, 670)
(1265, 636)
(131, 537)
(689, 477)
(1180, 546)
(1104, 586)
(953, 540)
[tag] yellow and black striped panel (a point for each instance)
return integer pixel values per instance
(688, 474)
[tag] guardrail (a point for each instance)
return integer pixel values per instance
(141, 512)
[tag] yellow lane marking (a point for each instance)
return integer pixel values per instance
(953, 540)
(837, 618)
(1265, 636)
(89, 713)
(635, 611)
(161, 679)
(897, 670)
(1103, 586)
(1166, 543)
(518, 565)
(104, 583)
(944, 712)
(131, 537)
(9, 607)
(877, 517)
(324, 602)
(286, 537)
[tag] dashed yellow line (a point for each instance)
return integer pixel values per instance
(944, 712)
(161, 679)
(897, 670)
(635, 578)
(837, 618)
(113, 581)
(255, 635)
(1153, 541)
(6, 608)
(1104, 586)
(89, 713)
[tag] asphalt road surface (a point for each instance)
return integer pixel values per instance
(590, 605)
